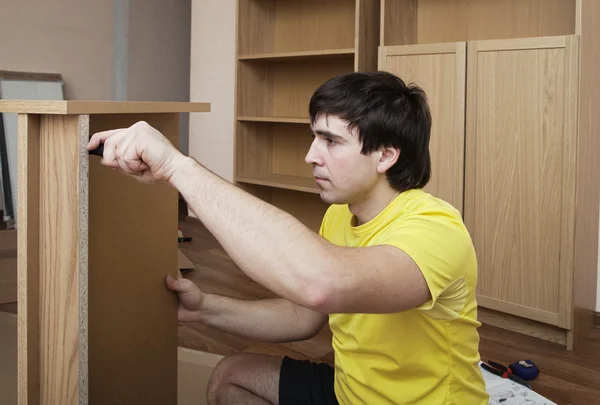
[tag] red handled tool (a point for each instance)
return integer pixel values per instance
(504, 372)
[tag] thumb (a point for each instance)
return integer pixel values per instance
(181, 285)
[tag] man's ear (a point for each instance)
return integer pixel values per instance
(388, 156)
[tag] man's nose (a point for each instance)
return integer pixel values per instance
(312, 156)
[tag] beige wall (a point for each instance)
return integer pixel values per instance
(159, 54)
(213, 79)
(77, 39)
(70, 37)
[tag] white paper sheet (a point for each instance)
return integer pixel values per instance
(507, 392)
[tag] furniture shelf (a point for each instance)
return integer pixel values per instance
(285, 50)
(283, 120)
(282, 181)
(303, 55)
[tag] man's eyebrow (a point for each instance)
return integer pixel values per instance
(327, 134)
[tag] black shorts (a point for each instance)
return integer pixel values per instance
(303, 382)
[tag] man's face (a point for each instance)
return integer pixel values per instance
(344, 175)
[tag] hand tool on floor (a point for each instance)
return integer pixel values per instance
(526, 369)
(504, 372)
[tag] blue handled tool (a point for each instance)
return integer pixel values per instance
(525, 369)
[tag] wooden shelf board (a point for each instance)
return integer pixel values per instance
(283, 181)
(302, 55)
(283, 120)
(99, 107)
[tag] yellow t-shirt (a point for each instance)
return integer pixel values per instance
(427, 355)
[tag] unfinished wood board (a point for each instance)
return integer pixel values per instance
(132, 248)
(440, 71)
(100, 107)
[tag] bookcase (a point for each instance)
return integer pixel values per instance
(285, 50)
(512, 86)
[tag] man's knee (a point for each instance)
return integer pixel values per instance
(221, 376)
(233, 370)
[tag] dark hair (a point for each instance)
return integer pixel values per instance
(386, 112)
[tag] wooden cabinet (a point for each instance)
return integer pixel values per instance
(95, 321)
(520, 176)
(514, 144)
(285, 50)
(440, 70)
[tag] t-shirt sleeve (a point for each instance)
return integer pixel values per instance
(442, 249)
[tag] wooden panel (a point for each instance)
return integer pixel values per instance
(307, 208)
(522, 325)
(398, 22)
(367, 34)
(284, 89)
(99, 107)
(294, 84)
(519, 180)
(290, 146)
(132, 248)
(28, 277)
(254, 149)
(256, 24)
(440, 70)
(274, 26)
(303, 25)
(52, 249)
(468, 20)
(588, 169)
(8, 280)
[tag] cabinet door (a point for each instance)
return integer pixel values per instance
(440, 70)
(520, 173)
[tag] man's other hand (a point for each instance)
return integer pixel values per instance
(190, 298)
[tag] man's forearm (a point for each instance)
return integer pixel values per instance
(270, 320)
(268, 244)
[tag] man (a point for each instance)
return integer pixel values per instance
(392, 269)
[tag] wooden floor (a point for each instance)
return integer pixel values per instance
(566, 377)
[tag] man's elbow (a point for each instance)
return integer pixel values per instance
(319, 297)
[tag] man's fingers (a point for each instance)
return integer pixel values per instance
(181, 285)
(100, 137)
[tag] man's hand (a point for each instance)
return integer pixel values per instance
(190, 298)
(140, 151)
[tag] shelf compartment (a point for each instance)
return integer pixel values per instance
(276, 26)
(407, 22)
(303, 55)
(272, 154)
(283, 89)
